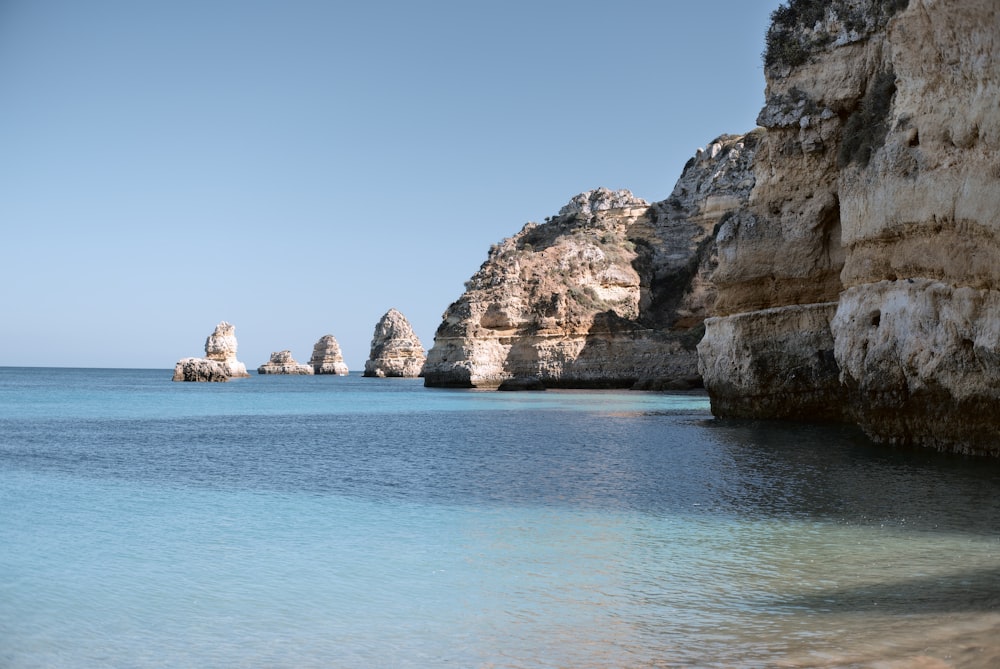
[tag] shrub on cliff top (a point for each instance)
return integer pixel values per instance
(785, 42)
(790, 38)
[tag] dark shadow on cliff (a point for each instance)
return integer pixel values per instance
(522, 364)
(663, 290)
(609, 341)
(623, 353)
(835, 473)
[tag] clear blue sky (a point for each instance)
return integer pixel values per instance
(298, 167)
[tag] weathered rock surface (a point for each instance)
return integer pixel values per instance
(877, 190)
(221, 347)
(611, 292)
(282, 362)
(327, 358)
(767, 353)
(774, 363)
(395, 351)
(200, 369)
(921, 359)
(916, 328)
(219, 363)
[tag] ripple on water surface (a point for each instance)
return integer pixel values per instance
(156, 525)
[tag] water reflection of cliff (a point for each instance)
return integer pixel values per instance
(836, 473)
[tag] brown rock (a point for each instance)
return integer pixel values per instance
(395, 351)
(327, 358)
(282, 362)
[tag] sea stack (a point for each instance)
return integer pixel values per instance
(221, 347)
(219, 363)
(396, 351)
(282, 362)
(327, 358)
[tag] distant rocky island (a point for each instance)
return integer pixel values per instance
(282, 362)
(219, 363)
(395, 351)
(327, 358)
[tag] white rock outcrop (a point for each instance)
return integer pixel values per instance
(200, 369)
(221, 346)
(327, 357)
(220, 362)
(395, 351)
(282, 362)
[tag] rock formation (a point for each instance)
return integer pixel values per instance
(219, 363)
(611, 292)
(396, 351)
(861, 281)
(200, 369)
(221, 347)
(327, 358)
(282, 362)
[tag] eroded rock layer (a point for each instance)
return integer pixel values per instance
(611, 292)
(282, 362)
(395, 351)
(877, 190)
(917, 328)
(327, 358)
(773, 363)
(200, 369)
(219, 363)
(221, 346)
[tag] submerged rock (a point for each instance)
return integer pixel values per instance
(327, 358)
(219, 363)
(396, 351)
(282, 362)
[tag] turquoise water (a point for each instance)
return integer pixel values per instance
(348, 522)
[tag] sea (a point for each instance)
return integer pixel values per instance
(326, 521)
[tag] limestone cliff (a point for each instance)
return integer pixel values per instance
(611, 292)
(282, 362)
(219, 363)
(395, 351)
(327, 358)
(917, 329)
(860, 282)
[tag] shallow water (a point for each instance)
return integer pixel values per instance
(348, 522)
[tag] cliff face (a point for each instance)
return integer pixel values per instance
(611, 292)
(860, 282)
(396, 350)
(768, 350)
(917, 329)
